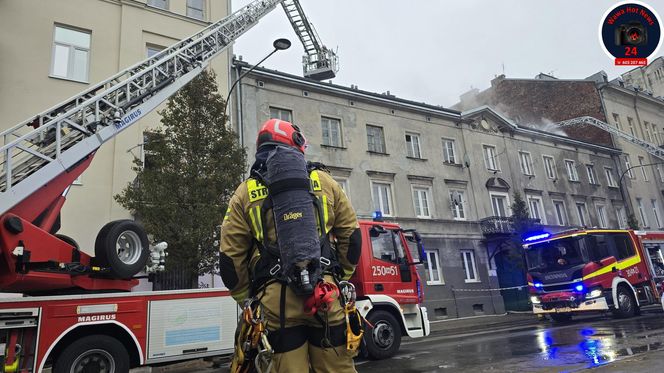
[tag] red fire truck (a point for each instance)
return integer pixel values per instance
(594, 270)
(111, 332)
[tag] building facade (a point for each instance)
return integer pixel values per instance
(54, 49)
(449, 174)
(649, 79)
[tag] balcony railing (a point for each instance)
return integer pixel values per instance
(500, 225)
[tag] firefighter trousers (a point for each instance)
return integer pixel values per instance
(301, 342)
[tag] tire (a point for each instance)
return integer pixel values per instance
(94, 353)
(122, 246)
(561, 317)
(68, 240)
(626, 303)
(383, 340)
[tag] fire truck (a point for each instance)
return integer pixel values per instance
(594, 270)
(73, 311)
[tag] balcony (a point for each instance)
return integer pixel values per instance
(501, 225)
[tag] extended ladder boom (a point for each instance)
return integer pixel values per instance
(37, 150)
(318, 63)
(647, 146)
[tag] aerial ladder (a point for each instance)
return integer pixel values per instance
(651, 148)
(42, 156)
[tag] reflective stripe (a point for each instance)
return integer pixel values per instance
(315, 181)
(348, 273)
(259, 218)
(228, 213)
(325, 216)
(255, 221)
(256, 190)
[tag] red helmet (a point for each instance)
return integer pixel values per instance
(276, 131)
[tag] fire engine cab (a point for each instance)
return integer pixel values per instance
(594, 270)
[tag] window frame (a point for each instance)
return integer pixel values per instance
(628, 167)
(413, 148)
(655, 212)
(554, 173)
(458, 211)
(526, 163)
(330, 120)
(344, 184)
(643, 169)
(602, 220)
(452, 141)
(565, 218)
(642, 212)
(279, 110)
(574, 176)
(610, 181)
(202, 10)
(428, 193)
(428, 269)
(71, 50)
(621, 216)
(582, 215)
(382, 139)
(166, 4)
(390, 201)
(541, 211)
(467, 278)
(592, 175)
(494, 159)
(508, 207)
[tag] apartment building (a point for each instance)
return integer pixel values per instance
(449, 174)
(54, 49)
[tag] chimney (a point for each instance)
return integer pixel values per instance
(497, 80)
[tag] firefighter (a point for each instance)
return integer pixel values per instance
(300, 340)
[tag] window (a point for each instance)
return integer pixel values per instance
(655, 212)
(592, 177)
(434, 274)
(381, 193)
(549, 166)
(630, 123)
(499, 204)
(283, 114)
(642, 212)
(624, 247)
(609, 177)
(581, 213)
(331, 131)
(413, 145)
(643, 169)
(375, 139)
(457, 202)
(343, 183)
(628, 167)
(387, 246)
(163, 4)
(622, 217)
(572, 175)
(195, 8)
(561, 213)
(659, 172)
(526, 163)
(153, 49)
(490, 158)
(655, 135)
(616, 120)
(469, 267)
(601, 215)
(449, 151)
(421, 198)
(535, 208)
(71, 54)
(646, 131)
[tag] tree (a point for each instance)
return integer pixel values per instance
(632, 222)
(193, 164)
(521, 220)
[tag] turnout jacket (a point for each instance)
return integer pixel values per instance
(242, 229)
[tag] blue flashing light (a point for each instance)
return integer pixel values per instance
(538, 285)
(579, 287)
(377, 215)
(537, 237)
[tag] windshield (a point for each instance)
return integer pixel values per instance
(556, 255)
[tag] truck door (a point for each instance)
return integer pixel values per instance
(391, 272)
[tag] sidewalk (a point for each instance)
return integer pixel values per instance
(481, 323)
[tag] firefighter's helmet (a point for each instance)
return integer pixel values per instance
(276, 131)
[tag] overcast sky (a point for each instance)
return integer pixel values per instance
(432, 51)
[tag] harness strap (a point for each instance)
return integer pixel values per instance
(324, 294)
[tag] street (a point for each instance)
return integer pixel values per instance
(520, 343)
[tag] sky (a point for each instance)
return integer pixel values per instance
(433, 51)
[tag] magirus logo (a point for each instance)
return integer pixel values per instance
(555, 276)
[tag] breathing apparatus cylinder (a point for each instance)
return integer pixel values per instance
(294, 218)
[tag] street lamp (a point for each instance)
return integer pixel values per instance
(620, 185)
(279, 45)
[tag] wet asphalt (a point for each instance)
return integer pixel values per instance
(597, 342)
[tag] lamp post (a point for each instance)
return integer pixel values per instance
(279, 45)
(620, 184)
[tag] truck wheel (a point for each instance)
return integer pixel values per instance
(94, 353)
(123, 247)
(561, 317)
(626, 303)
(384, 339)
